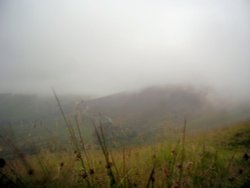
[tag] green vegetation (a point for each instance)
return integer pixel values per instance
(218, 158)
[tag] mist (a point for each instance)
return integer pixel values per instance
(105, 47)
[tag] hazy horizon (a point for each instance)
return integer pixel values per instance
(105, 47)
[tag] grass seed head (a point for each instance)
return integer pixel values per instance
(30, 172)
(179, 166)
(61, 164)
(91, 171)
(189, 166)
(166, 173)
(240, 171)
(245, 156)
(2, 163)
(83, 174)
(173, 152)
(109, 165)
(78, 156)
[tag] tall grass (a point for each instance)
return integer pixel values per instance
(102, 142)
(75, 143)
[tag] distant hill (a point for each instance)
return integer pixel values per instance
(151, 108)
(156, 108)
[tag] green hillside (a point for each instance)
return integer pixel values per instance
(216, 158)
(142, 117)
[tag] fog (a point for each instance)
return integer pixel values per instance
(104, 47)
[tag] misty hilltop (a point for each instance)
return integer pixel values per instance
(152, 106)
(157, 107)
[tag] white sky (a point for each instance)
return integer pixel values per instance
(107, 46)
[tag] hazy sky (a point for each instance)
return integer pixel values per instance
(108, 46)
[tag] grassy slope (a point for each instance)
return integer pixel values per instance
(217, 158)
(146, 115)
